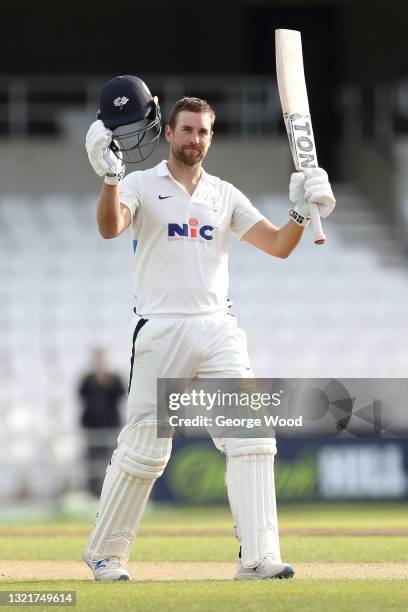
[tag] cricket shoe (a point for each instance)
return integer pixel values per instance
(108, 569)
(264, 571)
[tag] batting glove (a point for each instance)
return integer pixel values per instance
(318, 190)
(312, 185)
(101, 157)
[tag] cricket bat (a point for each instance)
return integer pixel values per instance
(295, 108)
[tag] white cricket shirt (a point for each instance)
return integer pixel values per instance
(181, 259)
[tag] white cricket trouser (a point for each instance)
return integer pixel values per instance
(211, 346)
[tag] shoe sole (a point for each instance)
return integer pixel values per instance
(112, 579)
(285, 574)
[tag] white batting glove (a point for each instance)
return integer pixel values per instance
(318, 190)
(101, 157)
(312, 185)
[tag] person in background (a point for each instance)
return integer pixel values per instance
(100, 392)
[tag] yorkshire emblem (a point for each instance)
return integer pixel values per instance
(121, 101)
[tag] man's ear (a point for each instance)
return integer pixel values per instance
(167, 132)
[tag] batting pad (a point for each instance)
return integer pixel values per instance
(138, 461)
(251, 491)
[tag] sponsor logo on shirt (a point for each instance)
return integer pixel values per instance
(190, 231)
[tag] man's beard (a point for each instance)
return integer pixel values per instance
(185, 159)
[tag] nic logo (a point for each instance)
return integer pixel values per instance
(190, 230)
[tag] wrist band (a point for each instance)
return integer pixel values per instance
(298, 218)
(111, 179)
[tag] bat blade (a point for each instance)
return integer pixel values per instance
(295, 108)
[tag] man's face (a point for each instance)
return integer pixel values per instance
(191, 137)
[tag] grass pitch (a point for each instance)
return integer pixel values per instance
(347, 557)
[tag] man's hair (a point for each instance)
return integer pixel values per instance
(193, 105)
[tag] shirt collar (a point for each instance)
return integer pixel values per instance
(162, 170)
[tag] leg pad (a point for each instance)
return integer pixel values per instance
(251, 491)
(138, 461)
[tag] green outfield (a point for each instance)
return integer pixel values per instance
(347, 557)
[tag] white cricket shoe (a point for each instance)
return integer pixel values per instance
(108, 569)
(265, 570)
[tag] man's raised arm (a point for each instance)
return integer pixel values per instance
(112, 216)
(279, 242)
(312, 185)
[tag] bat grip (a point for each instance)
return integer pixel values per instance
(318, 234)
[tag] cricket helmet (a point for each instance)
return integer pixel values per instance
(129, 110)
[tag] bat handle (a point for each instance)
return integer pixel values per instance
(318, 234)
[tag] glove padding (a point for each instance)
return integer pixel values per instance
(101, 157)
(311, 185)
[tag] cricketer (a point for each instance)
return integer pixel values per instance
(180, 217)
